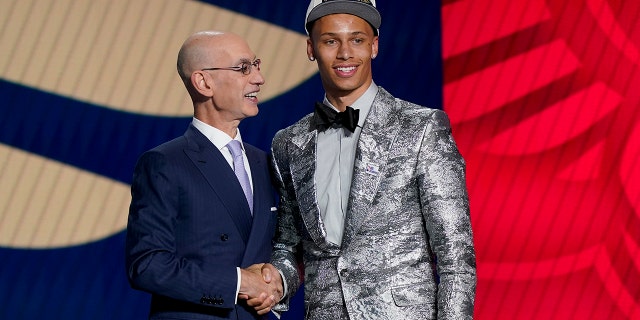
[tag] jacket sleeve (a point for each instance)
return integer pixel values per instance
(443, 194)
(287, 238)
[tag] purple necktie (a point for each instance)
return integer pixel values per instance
(241, 172)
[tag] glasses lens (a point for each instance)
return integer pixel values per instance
(245, 68)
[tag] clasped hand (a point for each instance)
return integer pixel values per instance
(261, 287)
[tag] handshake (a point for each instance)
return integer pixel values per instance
(261, 287)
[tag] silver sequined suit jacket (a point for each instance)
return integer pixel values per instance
(407, 250)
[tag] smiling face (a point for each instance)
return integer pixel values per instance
(343, 46)
(235, 93)
(209, 64)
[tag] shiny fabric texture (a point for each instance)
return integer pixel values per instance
(407, 250)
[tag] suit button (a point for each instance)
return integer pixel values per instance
(344, 273)
(224, 237)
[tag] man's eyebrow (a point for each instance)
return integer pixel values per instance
(246, 60)
(334, 33)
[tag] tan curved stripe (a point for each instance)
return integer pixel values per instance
(47, 204)
(121, 53)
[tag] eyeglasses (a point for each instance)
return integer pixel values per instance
(246, 67)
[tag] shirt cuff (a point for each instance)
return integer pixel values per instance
(238, 284)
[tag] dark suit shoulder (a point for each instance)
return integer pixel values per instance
(173, 150)
(191, 139)
(163, 154)
(170, 146)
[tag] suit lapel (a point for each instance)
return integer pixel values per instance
(372, 152)
(220, 177)
(303, 168)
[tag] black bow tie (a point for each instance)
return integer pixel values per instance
(325, 117)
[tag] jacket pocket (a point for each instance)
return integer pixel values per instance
(420, 293)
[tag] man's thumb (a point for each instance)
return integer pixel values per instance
(266, 275)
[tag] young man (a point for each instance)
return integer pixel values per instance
(202, 214)
(372, 190)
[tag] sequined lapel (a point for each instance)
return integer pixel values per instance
(303, 168)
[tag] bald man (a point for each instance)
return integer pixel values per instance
(202, 211)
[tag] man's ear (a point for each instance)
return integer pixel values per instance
(374, 47)
(310, 53)
(202, 83)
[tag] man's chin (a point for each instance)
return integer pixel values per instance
(252, 111)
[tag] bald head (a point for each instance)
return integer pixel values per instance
(204, 49)
(222, 76)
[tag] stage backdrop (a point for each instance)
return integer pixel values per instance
(543, 98)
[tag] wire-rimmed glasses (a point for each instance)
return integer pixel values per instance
(245, 68)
